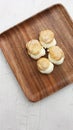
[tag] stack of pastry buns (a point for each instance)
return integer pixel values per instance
(46, 44)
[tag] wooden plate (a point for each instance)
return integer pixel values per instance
(34, 84)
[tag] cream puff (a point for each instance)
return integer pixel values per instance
(35, 50)
(47, 39)
(56, 55)
(45, 66)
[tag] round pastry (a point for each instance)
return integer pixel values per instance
(56, 55)
(45, 66)
(47, 38)
(35, 50)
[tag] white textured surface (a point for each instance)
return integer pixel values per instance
(16, 112)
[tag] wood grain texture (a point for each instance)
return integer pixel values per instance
(34, 84)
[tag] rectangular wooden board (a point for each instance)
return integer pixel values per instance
(34, 84)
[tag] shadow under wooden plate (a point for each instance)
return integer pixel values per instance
(34, 84)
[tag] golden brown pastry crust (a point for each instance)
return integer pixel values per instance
(43, 64)
(56, 52)
(33, 47)
(46, 36)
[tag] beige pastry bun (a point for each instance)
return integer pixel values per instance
(47, 39)
(45, 66)
(35, 50)
(56, 55)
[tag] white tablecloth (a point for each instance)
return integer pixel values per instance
(16, 112)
